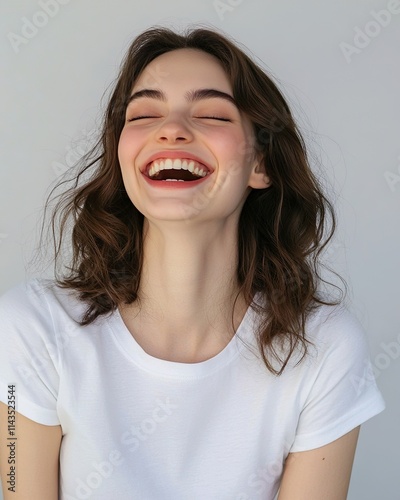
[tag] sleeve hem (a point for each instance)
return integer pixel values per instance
(323, 437)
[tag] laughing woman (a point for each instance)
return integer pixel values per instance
(188, 350)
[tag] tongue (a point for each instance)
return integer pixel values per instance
(184, 175)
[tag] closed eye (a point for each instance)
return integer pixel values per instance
(214, 118)
(140, 118)
(143, 117)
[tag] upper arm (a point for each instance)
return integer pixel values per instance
(320, 473)
(37, 458)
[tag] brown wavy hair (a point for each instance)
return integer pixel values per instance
(282, 229)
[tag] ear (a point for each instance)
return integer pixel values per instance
(258, 178)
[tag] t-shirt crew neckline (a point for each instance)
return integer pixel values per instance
(135, 353)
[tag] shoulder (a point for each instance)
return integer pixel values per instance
(335, 330)
(331, 333)
(27, 293)
(24, 302)
(37, 312)
(37, 297)
(31, 353)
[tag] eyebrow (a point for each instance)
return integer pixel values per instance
(191, 95)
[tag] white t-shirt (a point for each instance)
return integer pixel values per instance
(138, 427)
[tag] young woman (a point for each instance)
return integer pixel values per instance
(187, 351)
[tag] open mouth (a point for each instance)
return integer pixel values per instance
(177, 169)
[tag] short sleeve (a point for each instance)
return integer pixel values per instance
(342, 392)
(28, 354)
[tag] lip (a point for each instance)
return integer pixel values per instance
(184, 155)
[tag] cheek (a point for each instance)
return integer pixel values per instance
(237, 150)
(122, 146)
(128, 146)
(226, 143)
(120, 151)
(126, 157)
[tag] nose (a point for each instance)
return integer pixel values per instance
(174, 129)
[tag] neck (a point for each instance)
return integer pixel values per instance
(188, 286)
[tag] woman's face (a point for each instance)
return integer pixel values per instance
(182, 123)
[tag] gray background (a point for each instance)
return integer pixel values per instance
(346, 100)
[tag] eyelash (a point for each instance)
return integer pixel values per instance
(215, 118)
(140, 118)
(204, 117)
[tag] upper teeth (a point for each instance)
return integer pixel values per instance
(177, 164)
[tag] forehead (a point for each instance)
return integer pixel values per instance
(191, 67)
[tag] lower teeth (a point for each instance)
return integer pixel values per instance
(173, 180)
